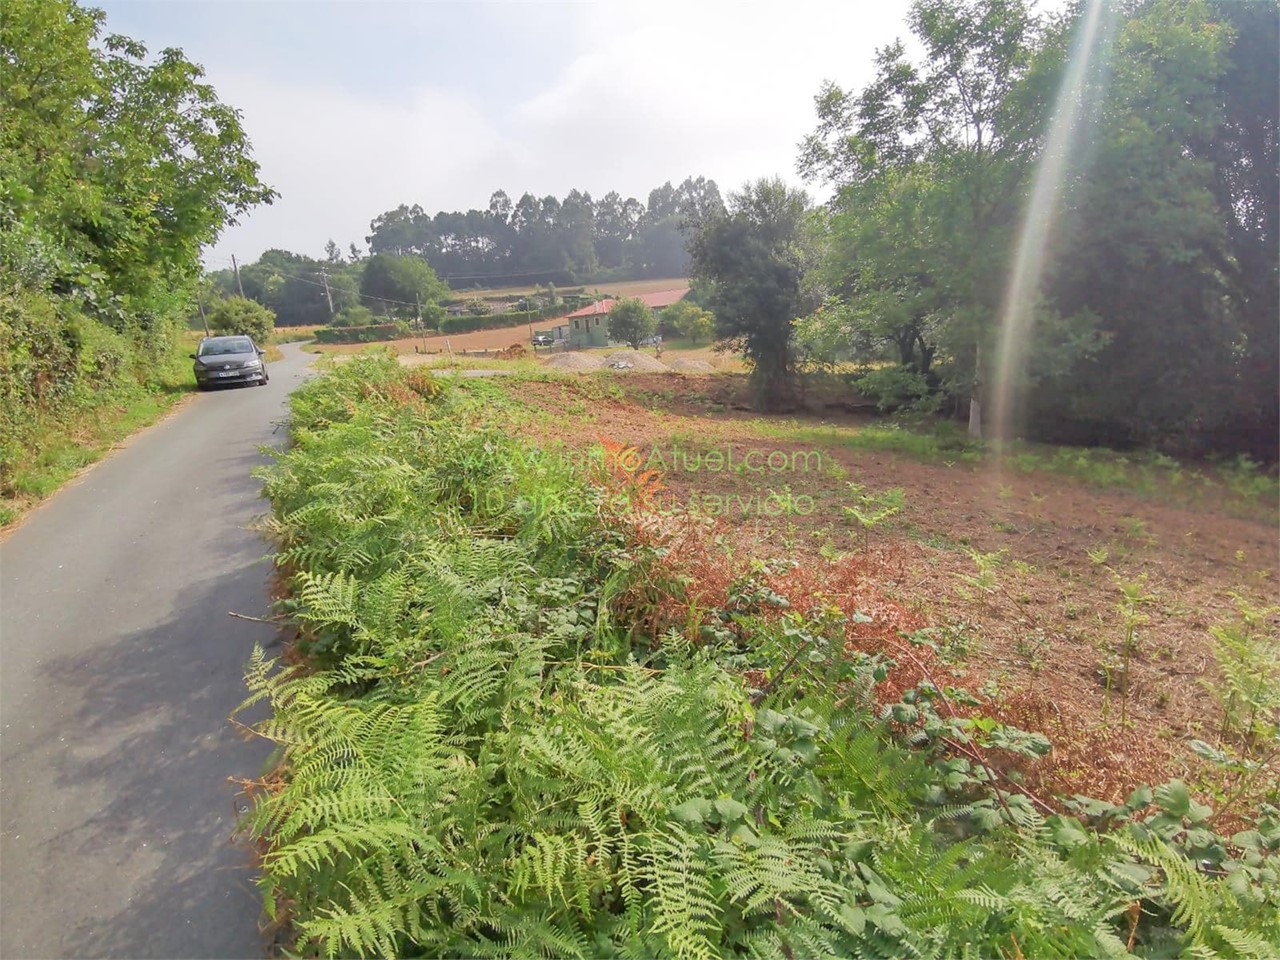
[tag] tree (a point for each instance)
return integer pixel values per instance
(292, 286)
(1144, 244)
(757, 256)
(631, 321)
(400, 284)
(549, 239)
(1245, 152)
(940, 137)
(129, 165)
(240, 315)
(690, 320)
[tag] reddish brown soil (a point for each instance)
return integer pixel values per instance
(1036, 633)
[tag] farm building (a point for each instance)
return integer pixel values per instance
(589, 327)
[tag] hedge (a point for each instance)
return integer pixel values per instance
(368, 334)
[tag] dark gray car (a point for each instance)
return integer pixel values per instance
(234, 359)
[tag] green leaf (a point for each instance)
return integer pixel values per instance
(730, 809)
(693, 811)
(1173, 798)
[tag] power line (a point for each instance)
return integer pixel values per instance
(323, 286)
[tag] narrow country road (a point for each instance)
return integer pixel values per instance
(118, 669)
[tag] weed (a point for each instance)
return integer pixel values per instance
(1031, 647)
(1247, 651)
(498, 748)
(986, 580)
(870, 510)
(1135, 529)
(1132, 599)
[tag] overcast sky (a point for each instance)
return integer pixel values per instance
(356, 107)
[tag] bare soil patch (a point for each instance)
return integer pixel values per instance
(1010, 581)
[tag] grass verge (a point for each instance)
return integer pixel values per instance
(62, 447)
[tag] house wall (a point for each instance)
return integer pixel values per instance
(590, 331)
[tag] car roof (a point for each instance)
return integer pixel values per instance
(229, 336)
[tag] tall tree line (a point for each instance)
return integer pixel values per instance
(549, 239)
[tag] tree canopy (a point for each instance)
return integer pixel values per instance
(1156, 250)
(244, 316)
(400, 285)
(631, 321)
(553, 240)
(755, 258)
(116, 168)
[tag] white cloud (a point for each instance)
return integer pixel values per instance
(653, 93)
(338, 160)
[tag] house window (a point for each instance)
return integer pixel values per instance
(575, 324)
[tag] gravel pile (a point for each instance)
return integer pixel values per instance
(692, 366)
(639, 362)
(580, 362)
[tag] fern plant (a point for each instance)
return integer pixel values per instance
(1247, 651)
(484, 758)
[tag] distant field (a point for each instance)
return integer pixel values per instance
(504, 337)
(509, 336)
(294, 334)
(625, 288)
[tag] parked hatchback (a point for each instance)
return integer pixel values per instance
(229, 360)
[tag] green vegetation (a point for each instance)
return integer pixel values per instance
(1163, 242)
(241, 315)
(292, 335)
(373, 333)
(546, 239)
(1144, 473)
(631, 321)
(400, 285)
(496, 748)
(753, 260)
(690, 321)
(1248, 655)
(111, 180)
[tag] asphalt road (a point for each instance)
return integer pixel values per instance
(118, 669)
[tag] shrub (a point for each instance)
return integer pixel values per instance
(898, 388)
(357, 316)
(240, 315)
(467, 323)
(373, 333)
(690, 320)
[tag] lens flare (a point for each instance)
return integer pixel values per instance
(1017, 315)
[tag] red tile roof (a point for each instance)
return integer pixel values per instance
(661, 298)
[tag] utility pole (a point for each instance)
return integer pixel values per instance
(203, 318)
(324, 275)
(236, 267)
